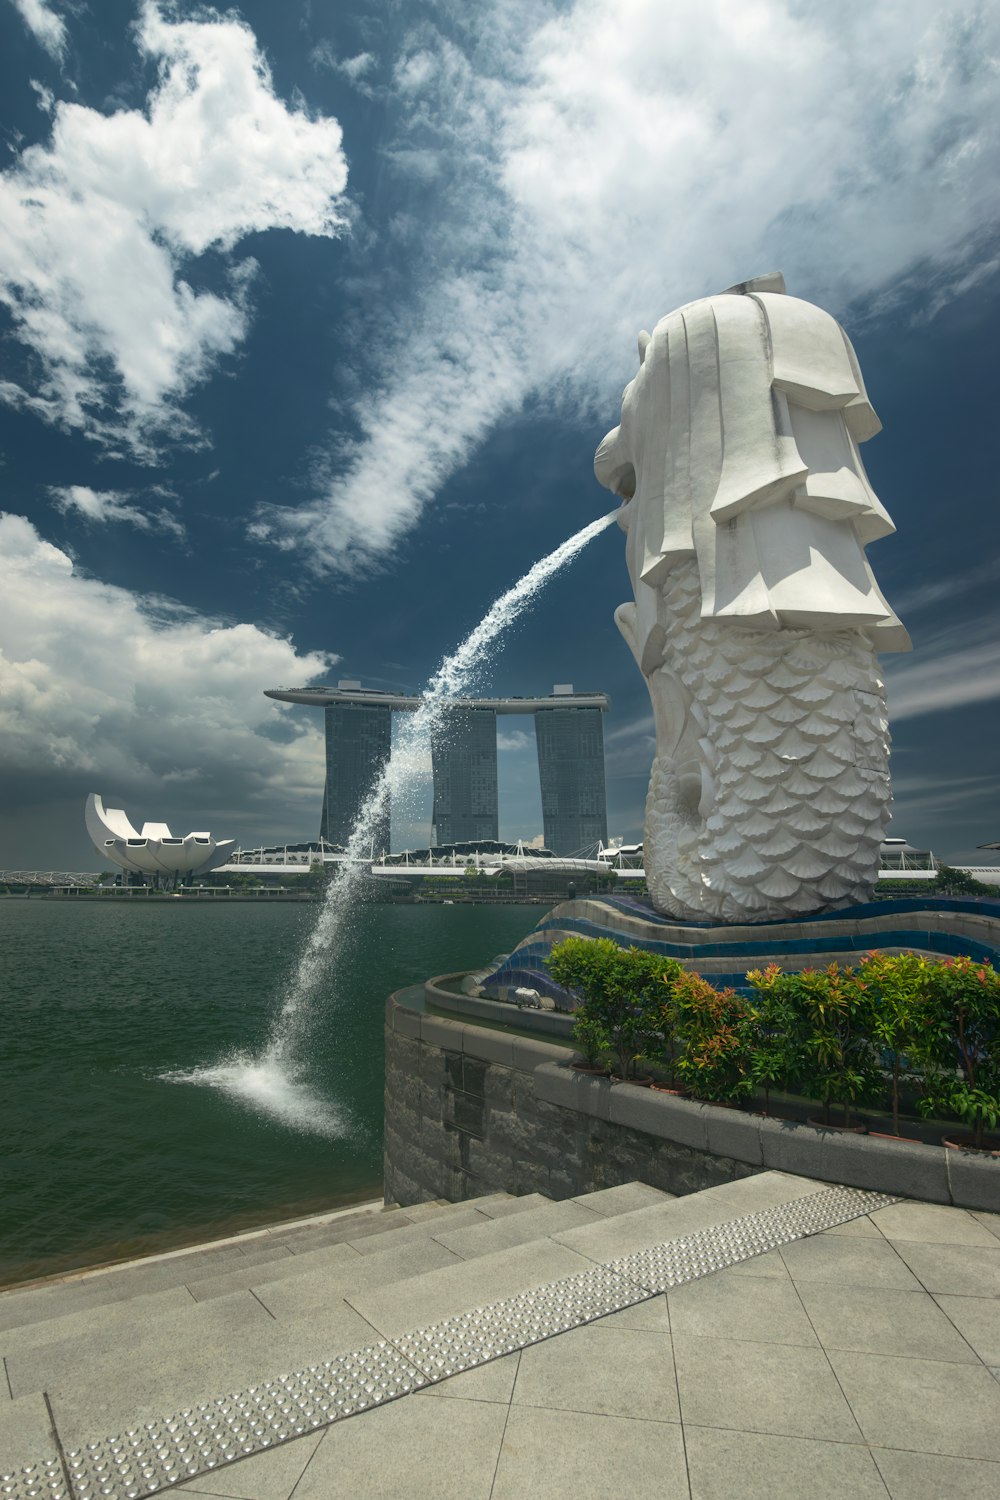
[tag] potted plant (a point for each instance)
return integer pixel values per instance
(617, 986)
(592, 1041)
(714, 1029)
(776, 1054)
(894, 981)
(957, 1031)
(839, 1062)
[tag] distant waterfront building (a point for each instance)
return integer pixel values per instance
(358, 743)
(570, 744)
(154, 850)
(569, 734)
(464, 764)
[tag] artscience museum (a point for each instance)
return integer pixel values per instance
(154, 851)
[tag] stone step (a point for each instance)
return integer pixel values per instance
(213, 1263)
(120, 1366)
(189, 1339)
(434, 1295)
(90, 1288)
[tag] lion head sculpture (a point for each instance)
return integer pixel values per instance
(756, 616)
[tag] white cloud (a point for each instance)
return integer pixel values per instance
(357, 69)
(514, 739)
(951, 670)
(46, 27)
(103, 506)
(100, 224)
(101, 690)
(591, 172)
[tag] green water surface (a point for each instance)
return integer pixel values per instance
(104, 1154)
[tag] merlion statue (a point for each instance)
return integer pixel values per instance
(756, 619)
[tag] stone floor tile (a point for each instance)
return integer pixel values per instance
(623, 1199)
(925, 1476)
(311, 1294)
(750, 1195)
(614, 1372)
(26, 1435)
(759, 1466)
(776, 1388)
(856, 1229)
(653, 1314)
(327, 1259)
(560, 1455)
(991, 1221)
(626, 1233)
(93, 1320)
(882, 1320)
(488, 1237)
(407, 1234)
(266, 1476)
(725, 1306)
(931, 1224)
(491, 1382)
(923, 1405)
(847, 1262)
(770, 1264)
(978, 1319)
(499, 1205)
(167, 1367)
(467, 1284)
(415, 1449)
(962, 1270)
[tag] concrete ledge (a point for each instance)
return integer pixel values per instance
(555, 1083)
(973, 1179)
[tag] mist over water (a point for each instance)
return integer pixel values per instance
(276, 1081)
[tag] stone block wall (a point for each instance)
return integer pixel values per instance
(470, 1111)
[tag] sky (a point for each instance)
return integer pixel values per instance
(312, 316)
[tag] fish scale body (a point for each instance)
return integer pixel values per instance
(773, 795)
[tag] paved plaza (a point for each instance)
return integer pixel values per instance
(860, 1361)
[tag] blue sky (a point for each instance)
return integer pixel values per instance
(313, 315)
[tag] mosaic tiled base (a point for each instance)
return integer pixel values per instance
(156, 1455)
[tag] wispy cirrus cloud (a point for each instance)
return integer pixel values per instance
(951, 669)
(101, 223)
(45, 25)
(106, 506)
(580, 171)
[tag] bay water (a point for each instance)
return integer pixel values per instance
(107, 1011)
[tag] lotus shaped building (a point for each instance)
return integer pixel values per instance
(154, 851)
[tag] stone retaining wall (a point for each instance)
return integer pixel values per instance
(469, 1110)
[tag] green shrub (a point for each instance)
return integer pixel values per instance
(956, 1032)
(895, 982)
(715, 1035)
(621, 991)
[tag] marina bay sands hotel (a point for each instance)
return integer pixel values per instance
(569, 737)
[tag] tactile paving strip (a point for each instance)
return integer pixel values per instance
(724, 1245)
(474, 1338)
(45, 1480)
(156, 1455)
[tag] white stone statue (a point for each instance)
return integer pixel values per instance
(756, 619)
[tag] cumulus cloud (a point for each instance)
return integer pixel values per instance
(101, 690)
(100, 226)
(592, 167)
(104, 506)
(47, 28)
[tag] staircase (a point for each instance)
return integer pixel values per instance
(118, 1378)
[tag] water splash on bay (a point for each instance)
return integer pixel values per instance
(276, 1079)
